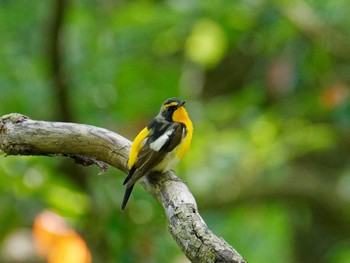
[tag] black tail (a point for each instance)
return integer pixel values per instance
(131, 172)
(127, 195)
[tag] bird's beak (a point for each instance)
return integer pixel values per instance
(181, 103)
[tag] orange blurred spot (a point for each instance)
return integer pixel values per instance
(57, 242)
(334, 95)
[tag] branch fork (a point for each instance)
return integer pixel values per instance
(19, 135)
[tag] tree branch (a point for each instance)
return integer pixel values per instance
(54, 54)
(304, 18)
(20, 135)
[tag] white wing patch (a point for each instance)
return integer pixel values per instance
(159, 143)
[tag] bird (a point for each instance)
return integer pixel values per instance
(160, 145)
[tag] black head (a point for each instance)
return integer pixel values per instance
(169, 107)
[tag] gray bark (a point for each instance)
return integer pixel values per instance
(20, 135)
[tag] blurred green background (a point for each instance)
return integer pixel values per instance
(266, 85)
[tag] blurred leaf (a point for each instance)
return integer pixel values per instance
(207, 43)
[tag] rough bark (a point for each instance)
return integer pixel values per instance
(20, 135)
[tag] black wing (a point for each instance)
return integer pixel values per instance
(163, 138)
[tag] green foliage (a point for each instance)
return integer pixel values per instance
(267, 87)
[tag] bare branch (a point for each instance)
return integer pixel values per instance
(21, 136)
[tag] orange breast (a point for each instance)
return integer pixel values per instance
(180, 115)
